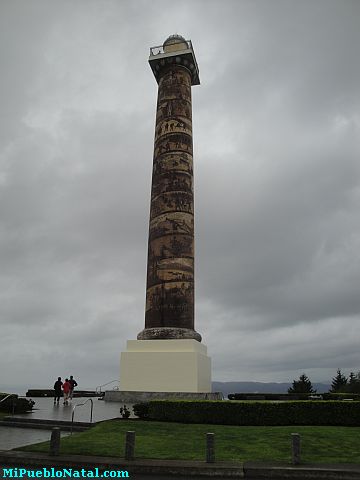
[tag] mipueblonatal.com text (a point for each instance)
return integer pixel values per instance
(52, 472)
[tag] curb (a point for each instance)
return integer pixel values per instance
(248, 470)
(38, 426)
(42, 424)
(153, 467)
(278, 471)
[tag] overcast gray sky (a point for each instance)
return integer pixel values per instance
(277, 184)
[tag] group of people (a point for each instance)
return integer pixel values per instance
(65, 388)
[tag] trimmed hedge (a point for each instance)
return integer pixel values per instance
(255, 413)
(340, 396)
(291, 396)
(141, 410)
(268, 396)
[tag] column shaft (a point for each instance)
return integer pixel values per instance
(170, 268)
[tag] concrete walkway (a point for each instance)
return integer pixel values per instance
(45, 409)
(16, 437)
(11, 437)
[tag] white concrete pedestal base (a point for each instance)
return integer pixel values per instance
(165, 366)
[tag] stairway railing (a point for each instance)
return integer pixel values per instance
(13, 403)
(98, 389)
(79, 405)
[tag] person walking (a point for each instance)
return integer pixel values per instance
(66, 389)
(57, 390)
(73, 384)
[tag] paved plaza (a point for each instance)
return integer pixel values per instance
(44, 409)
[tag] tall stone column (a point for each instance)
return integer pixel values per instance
(170, 270)
(168, 357)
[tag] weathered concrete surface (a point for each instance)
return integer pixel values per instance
(136, 397)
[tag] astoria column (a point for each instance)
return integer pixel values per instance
(170, 268)
(168, 356)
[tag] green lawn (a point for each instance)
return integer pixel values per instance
(163, 440)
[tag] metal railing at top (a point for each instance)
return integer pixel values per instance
(98, 389)
(160, 48)
(79, 405)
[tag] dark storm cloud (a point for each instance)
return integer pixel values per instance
(276, 138)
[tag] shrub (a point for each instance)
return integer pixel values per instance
(341, 396)
(257, 413)
(268, 396)
(141, 410)
(124, 412)
(15, 404)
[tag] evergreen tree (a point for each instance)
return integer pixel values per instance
(352, 378)
(353, 385)
(338, 383)
(303, 385)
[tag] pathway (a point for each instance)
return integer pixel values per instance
(13, 437)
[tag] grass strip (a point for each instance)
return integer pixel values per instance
(177, 441)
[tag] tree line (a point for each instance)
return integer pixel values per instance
(340, 384)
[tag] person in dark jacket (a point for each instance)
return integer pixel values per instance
(73, 384)
(57, 389)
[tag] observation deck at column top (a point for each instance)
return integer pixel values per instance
(174, 51)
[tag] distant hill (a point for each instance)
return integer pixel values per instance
(260, 387)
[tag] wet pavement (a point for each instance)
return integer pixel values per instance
(13, 437)
(44, 408)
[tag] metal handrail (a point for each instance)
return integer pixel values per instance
(98, 389)
(8, 396)
(79, 405)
